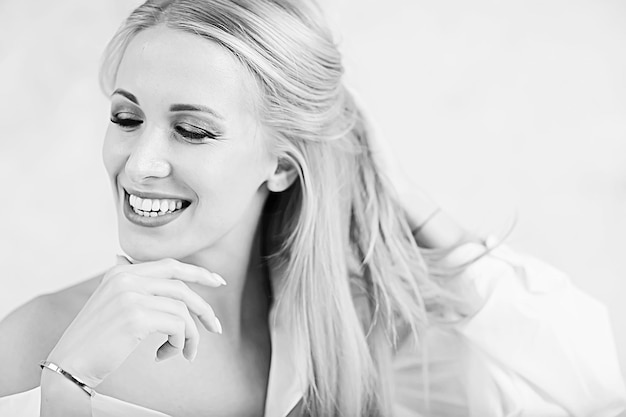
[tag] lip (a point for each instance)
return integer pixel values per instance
(149, 221)
(152, 195)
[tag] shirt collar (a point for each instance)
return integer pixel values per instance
(287, 377)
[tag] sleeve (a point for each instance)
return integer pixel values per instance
(23, 404)
(26, 404)
(537, 347)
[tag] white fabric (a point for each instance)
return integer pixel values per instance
(538, 347)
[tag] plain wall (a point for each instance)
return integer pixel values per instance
(498, 109)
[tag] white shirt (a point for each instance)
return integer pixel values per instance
(537, 347)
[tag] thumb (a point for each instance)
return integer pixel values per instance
(122, 260)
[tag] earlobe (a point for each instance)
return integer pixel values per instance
(282, 178)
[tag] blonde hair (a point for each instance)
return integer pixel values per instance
(354, 281)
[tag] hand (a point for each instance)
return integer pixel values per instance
(436, 228)
(132, 302)
(417, 205)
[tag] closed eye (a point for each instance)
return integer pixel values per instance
(124, 121)
(193, 133)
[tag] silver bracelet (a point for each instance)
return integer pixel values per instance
(56, 368)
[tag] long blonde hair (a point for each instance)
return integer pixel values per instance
(353, 280)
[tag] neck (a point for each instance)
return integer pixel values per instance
(244, 302)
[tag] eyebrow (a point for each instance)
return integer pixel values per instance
(195, 107)
(173, 107)
(126, 94)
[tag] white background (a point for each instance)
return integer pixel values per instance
(496, 108)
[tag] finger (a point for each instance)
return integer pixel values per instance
(178, 290)
(126, 282)
(166, 351)
(177, 308)
(175, 290)
(170, 325)
(122, 260)
(172, 269)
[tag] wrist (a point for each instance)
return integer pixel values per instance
(432, 227)
(417, 205)
(440, 231)
(61, 397)
(67, 375)
(75, 365)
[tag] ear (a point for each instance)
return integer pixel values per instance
(283, 176)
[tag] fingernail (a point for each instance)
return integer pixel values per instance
(157, 359)
(218, 325)
(219, 278)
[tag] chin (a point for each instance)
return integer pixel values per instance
(152, 249)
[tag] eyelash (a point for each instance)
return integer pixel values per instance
(194, 134)
(126, 123)
(188, 132)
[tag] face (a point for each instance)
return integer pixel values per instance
(184, 151)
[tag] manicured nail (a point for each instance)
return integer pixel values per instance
(218, 325)
(219, 278)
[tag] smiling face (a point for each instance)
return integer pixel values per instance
(185, 149)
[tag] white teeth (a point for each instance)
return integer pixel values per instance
(150, 213)
(146, 205)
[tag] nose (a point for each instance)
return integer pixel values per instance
(148, 158)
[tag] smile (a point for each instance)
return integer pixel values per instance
(152, 212)
(148, 207)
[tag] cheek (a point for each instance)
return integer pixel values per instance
(226, 181)
(250, 171)
(112, 154)
(231, 181)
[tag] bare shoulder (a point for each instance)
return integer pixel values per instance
(31, 331)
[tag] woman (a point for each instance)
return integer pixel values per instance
(237, 157)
